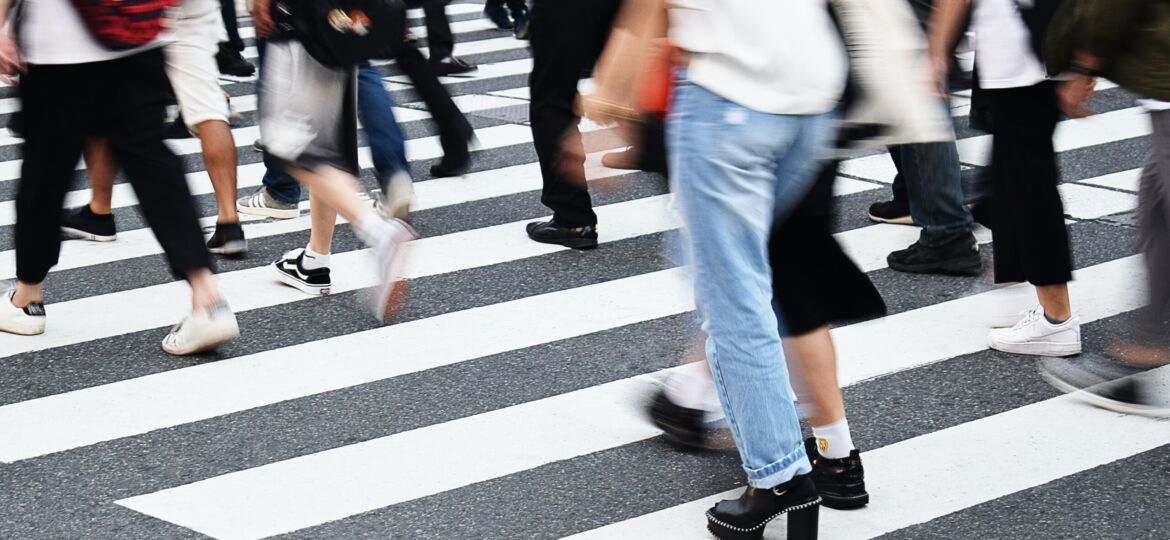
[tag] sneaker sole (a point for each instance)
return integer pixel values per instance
(311, 290)
(1096, 400)
(269, 212)
(1043, 348)
(220, 337)
(952, 268)
(23, 329)
(237, 248)
(575, 243)
(78, 234)
(905, 220)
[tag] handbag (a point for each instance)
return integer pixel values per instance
(121, 25)
(343, 33)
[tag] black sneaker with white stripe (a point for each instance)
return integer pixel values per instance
(291, 271)
(82, 224)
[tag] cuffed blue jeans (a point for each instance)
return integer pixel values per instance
(387, 143)
(733, 172)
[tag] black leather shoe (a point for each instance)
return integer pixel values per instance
(452, 164)
(956, 256)
(682, 426)
(840, 482)
(498, 14)
(452, 66)
(231, 62)
(746, 517)
(548, 232)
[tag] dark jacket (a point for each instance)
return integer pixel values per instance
(1132, 37)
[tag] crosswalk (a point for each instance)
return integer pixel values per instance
(506, 399)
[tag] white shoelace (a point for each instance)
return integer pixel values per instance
(1030, 317)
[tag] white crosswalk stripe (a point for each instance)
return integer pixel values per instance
(489, 322)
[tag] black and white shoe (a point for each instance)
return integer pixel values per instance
(290, 270)
(1109, 384)
(228, 240)
(82, 224)
(24, 321)
(896, 212)
(746, 517)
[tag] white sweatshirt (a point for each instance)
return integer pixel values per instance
(773, 56)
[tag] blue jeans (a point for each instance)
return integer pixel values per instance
(934, 188)
(734, 171)
(387, 143)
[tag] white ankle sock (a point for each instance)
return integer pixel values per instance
(693, 388)
(313, 260)
(373, 230)
(833, 440)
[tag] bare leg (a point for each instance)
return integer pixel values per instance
(27, 293)
(323, 218)
(336, 189)
(1055, 300)
(204, 291)
(99, 159)
(219, 156)
(813, 362)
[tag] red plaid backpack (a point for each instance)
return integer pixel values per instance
(124, 24)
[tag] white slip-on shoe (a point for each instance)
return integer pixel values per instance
(1034, 335)
(202, 330)
(389, 257)
(26, 321)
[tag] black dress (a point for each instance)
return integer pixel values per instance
(814, 282)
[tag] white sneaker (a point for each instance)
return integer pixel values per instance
(394, 202)
(26, 321)
(1034, 335)
(389, 257)
(202, 330)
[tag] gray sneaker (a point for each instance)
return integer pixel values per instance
(261, 203)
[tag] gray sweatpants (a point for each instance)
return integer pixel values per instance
(1154, 222)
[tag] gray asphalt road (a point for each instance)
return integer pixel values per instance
(392, 435)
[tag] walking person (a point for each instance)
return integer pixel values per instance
(230, 56)
(191, 69)
(1029, 235)
(308, 121)
(819, 287)
(567, 36)
(1127, 41)
(743, 145)
(72, 87)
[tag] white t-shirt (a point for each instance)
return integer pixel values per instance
(1003, 46)
(52, 32)
(773, 56)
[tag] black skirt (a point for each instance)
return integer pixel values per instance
(814, 282)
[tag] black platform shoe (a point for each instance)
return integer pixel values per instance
(840, 482)
(746, 517)
(682, 426)
(549, 232)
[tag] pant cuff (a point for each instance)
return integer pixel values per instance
(777, 473)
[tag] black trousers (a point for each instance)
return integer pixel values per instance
(227, 8)
(814, 283)
(440, 39)
(122, 100)
(566, 36)
(454, 129)
(1030, 240)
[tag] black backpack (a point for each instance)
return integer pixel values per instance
(344, 33)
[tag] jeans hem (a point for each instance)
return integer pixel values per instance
(770, 476)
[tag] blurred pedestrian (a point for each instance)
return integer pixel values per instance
(230, 56)
(750, 117)
(74, 86)
(1127, 41)
(440, 39)
(508, 15)
(1031, 242)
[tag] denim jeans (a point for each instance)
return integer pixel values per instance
(733, 172)
(934, 188)
(387, 143)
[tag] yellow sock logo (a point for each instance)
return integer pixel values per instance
(822, 444)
